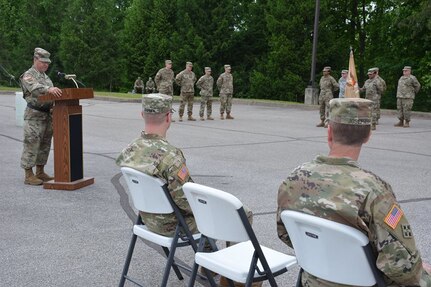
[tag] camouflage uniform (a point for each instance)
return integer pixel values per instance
(37, 119)
(186, 80)
(150, 86)
(408, 87)
(153, 155)
(382, 85)
(138, 86)
(328, 85)
(373, 90)
(336, 188)
(164, 80)
(225, 86)
(206, 84)
(342, 84)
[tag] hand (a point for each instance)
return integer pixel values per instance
(55, 91)
(427, 267)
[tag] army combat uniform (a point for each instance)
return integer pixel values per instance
(186, 80)
(336, 188)
(206, 84)
(328, 85)
(150, 86)
(164, 80)
(225, 86)
(373, 89)
(408, 87)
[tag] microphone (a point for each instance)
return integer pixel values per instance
(70, 76)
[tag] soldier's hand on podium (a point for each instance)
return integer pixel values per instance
(55, 91)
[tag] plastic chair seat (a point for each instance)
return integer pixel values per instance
(234, 261)
(143, 232)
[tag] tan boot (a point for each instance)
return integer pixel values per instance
(373, 127)
(181, 118)
(399, 124)
(224, 282)
(210, 118)
(202, 118)
(407, 124)
(30, 178)
(221, 117)
(190, 118)
(321, 124)
(40, 174)
(229, 117)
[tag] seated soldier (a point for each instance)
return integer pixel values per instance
(150, 86)
(138, 87)
(336, 188)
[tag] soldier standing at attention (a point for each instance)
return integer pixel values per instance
(186, 80)
(37, 118)
(150, 86)
(206, 84)
(408, 87)
(138, 87)
(328, 85)
(379, 96)
(342, 83)
(165, 79)
(225, 86)
(373, 89)
(334, 187)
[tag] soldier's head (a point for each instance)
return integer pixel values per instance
(139, 78)
(344, 73)
(375, 69)
(41, 59)
(349, 121)
(168, 64)
(371, 73)
(157, 111)
(227, 68)
(150, 79)
(326, 70)
(207, 71)
(189, 66)
(407, 71)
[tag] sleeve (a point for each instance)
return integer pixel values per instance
(335, 85)
(282, 201)
(416, 85)
(219, 82)
(199, 82)
(178, 79)
(397, 255)
(157, 79)
(177, 175)
(30, 85)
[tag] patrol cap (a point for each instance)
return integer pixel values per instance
(407, 68)
(42, 55)
(326, 69)
(344, 71)
(375, 69)
(371, 71)
(156, 103)
(189, 64)
(207, 69)
(350, 111)
(168, 62)
(227, 66)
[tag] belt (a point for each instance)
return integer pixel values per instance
(40, 109)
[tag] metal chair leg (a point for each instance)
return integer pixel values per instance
(128, 259)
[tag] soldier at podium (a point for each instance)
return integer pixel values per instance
(37, 118)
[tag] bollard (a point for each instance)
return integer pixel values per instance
(20, 105)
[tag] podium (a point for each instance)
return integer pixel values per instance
(67, 126)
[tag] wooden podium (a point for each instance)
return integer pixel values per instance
(67, 125)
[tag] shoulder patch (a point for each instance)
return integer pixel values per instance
(183, 172)
(394, 216)
(28, 77)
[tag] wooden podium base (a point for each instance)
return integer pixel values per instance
(68, 185)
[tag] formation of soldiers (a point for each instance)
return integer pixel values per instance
(186, 80)
(374, 87)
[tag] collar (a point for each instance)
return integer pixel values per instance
(336, 160)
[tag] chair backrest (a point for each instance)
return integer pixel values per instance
(329, 250)
(146, 192)
(216, 212)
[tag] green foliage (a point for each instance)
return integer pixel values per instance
(268, 43)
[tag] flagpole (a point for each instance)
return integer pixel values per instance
(315, 38)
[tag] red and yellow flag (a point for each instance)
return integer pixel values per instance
(352, 88)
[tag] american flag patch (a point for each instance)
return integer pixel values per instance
(394, 216)
(183, 172)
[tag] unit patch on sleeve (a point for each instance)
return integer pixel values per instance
(183, 172)
(394, 216)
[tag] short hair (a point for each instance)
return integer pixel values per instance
(154, 119)
(353, 135)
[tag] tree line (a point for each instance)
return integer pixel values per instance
(268, 43)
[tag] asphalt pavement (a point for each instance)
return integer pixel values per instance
(80, 238)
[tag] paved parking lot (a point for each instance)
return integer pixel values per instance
(80, 238)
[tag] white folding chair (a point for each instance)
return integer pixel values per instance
(331, 251)
(221, 216)
(150, 194)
